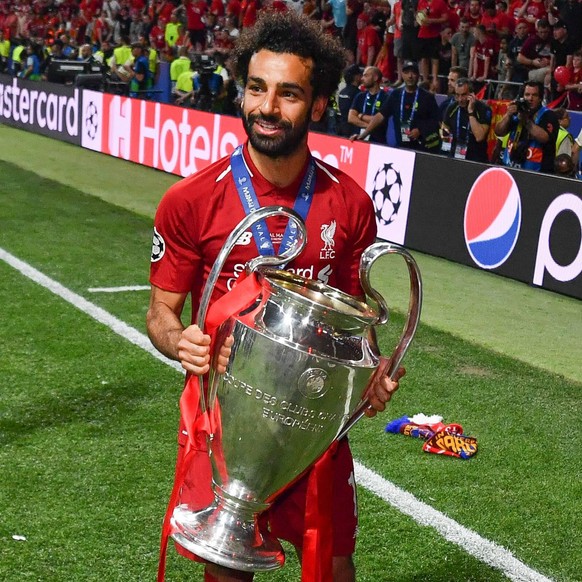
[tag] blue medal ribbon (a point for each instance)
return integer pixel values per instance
(250, 202)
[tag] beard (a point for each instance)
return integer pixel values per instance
(276, 146)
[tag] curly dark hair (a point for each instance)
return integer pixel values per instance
(294, 34)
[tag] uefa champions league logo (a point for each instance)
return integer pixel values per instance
(387, 193)
(91, 120)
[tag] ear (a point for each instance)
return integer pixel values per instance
(318, 108)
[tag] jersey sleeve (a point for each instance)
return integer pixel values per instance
(175, 260)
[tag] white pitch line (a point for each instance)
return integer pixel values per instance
(119, 289)
(484, 550)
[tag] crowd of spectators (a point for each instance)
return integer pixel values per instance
(487, 44)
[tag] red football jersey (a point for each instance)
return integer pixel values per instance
(197, 214)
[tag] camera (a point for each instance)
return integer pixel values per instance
(522, 105)
(207, 83)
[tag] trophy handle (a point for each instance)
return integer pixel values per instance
(389, 366)
(291, 253)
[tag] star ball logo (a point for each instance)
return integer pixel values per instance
(492, 218)
(91, 120)
(387, 193)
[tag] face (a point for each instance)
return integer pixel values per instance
(565, 121)
(559, 33)
(369, 77)
(278, 103)
(532, 96)
(577, 61)
(475, 6)
(410, 77)
(451, 80)
(464, 27)
(521, 30)
(462, 95)
(543, 33)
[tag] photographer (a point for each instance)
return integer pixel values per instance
(532, 130)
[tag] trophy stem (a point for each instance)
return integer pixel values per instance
(227, 534)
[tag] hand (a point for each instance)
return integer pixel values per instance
(380, 392)
(414, 134)
(355, 137)
(471, 103)
(194, 351)
(511, 109)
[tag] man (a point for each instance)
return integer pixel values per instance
(345, 97)
(562, 46)
(289, 70)
(140, 74)
(466, 125)
(366, 103)
(483, 57)
(532, 130)
(454, 75)
(492, 19)
(462, 41)
(369, 43)
(414, 112)
(445, 53)
(536, 53)
(565, 140)
(431, 15)
(518, 72)
(179, 66)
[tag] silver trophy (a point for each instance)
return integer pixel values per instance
(300, 366)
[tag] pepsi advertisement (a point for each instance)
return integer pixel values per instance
(519, 224)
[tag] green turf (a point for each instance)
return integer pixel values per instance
(538, 327)
(87, 423)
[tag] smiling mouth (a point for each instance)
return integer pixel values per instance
(266, 127)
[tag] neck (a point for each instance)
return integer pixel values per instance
(411, 89)
(283, 170)
(373, 90)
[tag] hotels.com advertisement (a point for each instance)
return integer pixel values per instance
(183, 141)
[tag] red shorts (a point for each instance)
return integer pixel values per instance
(286, 516)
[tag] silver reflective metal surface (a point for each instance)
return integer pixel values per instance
(298, 373)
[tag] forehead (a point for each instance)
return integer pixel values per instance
(531, 91)
(462, 90)
(280, 67)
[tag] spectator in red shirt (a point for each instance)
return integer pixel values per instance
(473, 13)
(483, 55)
(499, 20)
(195, 12)
(536, 53)
(533, 11)
(432, 15)
(368, 41)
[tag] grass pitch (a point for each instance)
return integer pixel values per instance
(87, 420)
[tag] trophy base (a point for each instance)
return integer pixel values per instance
(223, 538)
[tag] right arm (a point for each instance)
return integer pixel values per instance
(502, 126)
(170, 337)
(376, 121)
(358, 119)
(188, 345)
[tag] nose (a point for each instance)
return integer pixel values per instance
(270, 105)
